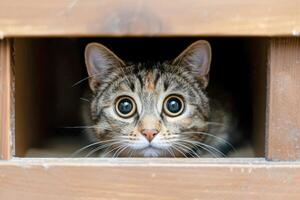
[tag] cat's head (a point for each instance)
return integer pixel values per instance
(141, 111)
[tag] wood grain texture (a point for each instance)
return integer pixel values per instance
(283, 138)
(6, 105)
(148, 179)
(155, 17)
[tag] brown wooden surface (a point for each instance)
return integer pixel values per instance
(148, 179)
(155, 17)
(46, 69)
(283, 138)
(6, 106)
(31, 66)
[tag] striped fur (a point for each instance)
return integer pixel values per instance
(148, 85)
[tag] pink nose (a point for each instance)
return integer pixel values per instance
(149, 133)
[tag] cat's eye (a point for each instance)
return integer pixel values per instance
(125, 106)
(173, 105)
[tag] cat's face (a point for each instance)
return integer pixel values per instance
(149, 111)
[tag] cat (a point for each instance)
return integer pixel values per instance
(161, 110)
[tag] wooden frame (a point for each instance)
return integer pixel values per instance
(6, 100)
(155, 17)
(283, 127)
(161, 178)
(149, 179)
(169, 178)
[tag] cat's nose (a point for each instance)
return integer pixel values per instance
(149, 134)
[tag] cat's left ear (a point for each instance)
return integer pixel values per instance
(197, 59)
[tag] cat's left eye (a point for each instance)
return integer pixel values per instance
(173, 105)
(125, 107)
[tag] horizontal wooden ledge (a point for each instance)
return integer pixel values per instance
(149, 162)
(149, 179)
(150, 18)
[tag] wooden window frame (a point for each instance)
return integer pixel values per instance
(157, 178)
(139, 18)
(6, 100)
(283, 107)
(276, 176)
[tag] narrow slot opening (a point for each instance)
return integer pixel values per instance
(49, 100)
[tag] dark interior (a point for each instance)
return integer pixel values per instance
(49, 94)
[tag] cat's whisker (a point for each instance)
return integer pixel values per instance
(82, 149)
(204, 148)
(81, 127)
(178, 149)
(89, 145)
(210, 147)
(169, 149)
(107, 152)
(97, 149)
(194, 152)
(186, 149)
(214, 136)
(215, 123)
(171, 152)
(131, 152)
(126, 146)
(164, 153)
(219, 153)
(84, 99)
(116, 152)
(84, 79)
(209, 151)
(101, 147)
(115, 148)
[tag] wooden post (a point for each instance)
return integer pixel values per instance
(6, 106)
(283, 107)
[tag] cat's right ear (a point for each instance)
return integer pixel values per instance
(196, 58)
(100, 61)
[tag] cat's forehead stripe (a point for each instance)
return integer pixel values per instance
(149, 82)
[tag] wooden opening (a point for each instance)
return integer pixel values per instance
(48, 100)
(7, 91)
(35, 60)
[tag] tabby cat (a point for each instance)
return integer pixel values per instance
(161, 110)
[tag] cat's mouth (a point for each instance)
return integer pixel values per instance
(151, 151)
(150, 146)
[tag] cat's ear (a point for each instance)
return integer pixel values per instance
(196, 58)
(100, 61)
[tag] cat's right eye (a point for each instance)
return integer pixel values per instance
(173, 105)
(125, 106)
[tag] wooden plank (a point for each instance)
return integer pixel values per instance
(155, 17)
(6, 104)
(148, 179)
(283, 138)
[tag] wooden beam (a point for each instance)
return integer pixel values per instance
(155, 17)
(283, 127)
(148, 179)
(6, 98)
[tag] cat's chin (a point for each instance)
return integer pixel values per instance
(151, 152)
